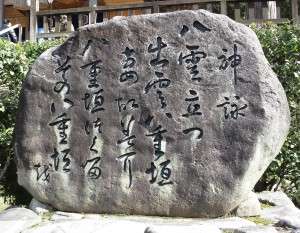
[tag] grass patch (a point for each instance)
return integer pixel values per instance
(259, 220)
(46, 215)
(265, 205)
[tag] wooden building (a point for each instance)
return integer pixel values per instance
(18, 11)
(44, 18)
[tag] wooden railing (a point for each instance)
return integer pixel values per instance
(13, 28)
(76, 17)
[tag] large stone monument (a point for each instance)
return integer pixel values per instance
(174, 114)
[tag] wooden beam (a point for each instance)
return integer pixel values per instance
(265, 10)
(45, 24)
(278, 9)
(156, 9)
(257, 21)
(122, 7)
(1, 11)
(34, 8)
(51, 35)
(209, 7)
(80, 20)
(130, 12)
(69, 24)
(92, 15)
(57, 23)
(294, 11)
(223, 7)
(27, 28)
(237, 11)
(195, 7)
(118, 13)
(251, 10)
(8, 2)
(105, 16)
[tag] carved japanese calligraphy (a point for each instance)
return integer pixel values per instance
(174, 114)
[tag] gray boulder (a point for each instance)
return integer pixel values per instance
(285, 216)
(249, 207)
(15, 220)
(39, 207)
(174, 114)
(283, 212)
(275, 198)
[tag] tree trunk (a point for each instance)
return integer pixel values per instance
(6, 165)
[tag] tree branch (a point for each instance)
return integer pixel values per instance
(7, 163)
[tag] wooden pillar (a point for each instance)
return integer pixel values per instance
(258, 14)
(92, 15)
(1, 11)
(34, 7)
(265, 10)
(251, 13)
(209, 7)
(27, 28)
(45, 24)
(278, 9)
(156, 9)
(294, 11)
(272, 9)
(223, 7)
(237, 11)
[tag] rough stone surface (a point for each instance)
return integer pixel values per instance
(256, 229)
(174, 114)
(91, 226)
(230, 223)
(249, 207)
(39, 207)
(15, 220)
(286, 216)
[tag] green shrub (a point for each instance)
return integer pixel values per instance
(281, 45)
(13, 68)
(14, 64)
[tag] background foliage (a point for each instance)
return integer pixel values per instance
(281, 46)
(14, 64)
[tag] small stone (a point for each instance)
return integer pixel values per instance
(59, 215)
(39, 207)
(256, 229)
(249, 207)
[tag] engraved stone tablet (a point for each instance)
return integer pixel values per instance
(174, 114)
